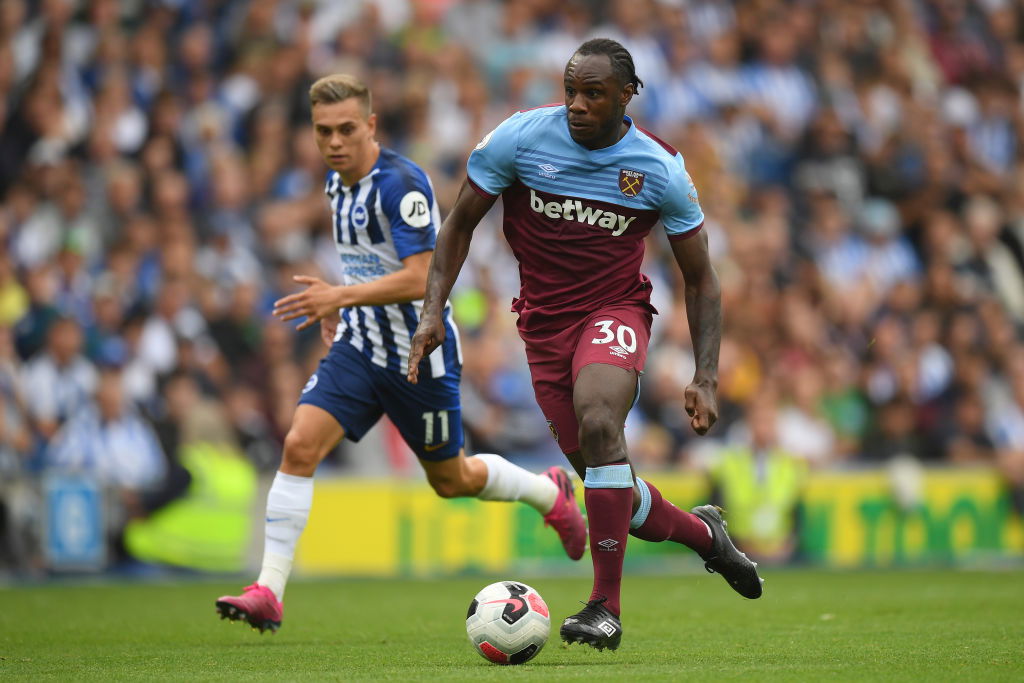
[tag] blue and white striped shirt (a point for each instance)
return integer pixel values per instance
(388, 215)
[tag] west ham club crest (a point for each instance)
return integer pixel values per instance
(630, 182)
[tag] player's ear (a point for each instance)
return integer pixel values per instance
(371, 123)
(627, 94)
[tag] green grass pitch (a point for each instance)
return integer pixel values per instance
(904, 625)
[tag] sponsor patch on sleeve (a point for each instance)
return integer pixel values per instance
(415, 209)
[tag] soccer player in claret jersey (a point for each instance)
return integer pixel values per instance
(582, 185)
(384, 225)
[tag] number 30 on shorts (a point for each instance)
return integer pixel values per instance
(624, 335)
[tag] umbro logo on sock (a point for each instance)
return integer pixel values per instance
(608, 544)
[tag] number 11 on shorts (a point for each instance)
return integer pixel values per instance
(428, 430)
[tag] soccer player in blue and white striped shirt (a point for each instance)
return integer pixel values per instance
(384, 224)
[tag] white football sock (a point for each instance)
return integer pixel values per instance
(509, 482)
(288, 505)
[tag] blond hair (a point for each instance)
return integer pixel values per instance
(338, 88)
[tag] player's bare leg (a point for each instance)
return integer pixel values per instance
(491, 477)
(314, 432)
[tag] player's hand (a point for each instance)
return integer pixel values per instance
(429, 335)
(701, 406)
(328, 327)
(318, 301)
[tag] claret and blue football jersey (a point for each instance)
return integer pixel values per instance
(571, 211)
(389, 215)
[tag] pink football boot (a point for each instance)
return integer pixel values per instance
(565, 516)
(257, 605)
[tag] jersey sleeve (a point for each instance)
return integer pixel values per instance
(491, 167)
(680, 208)
(408, 202)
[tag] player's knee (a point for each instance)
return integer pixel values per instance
(599, 435)
(300, 453)
(598, 426)
(449, 487)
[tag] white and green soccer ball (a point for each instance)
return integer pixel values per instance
(508, 622)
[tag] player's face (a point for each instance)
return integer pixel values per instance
(595, 100)
(344, 135)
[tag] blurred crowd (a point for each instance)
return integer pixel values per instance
(859, 163)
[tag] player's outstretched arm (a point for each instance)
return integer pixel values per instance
(704, 314)
(450, 253)
(320, 300)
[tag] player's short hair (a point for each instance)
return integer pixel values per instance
(338, 88)
(622, 61)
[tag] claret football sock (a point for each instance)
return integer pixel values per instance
(609, 500)
(288, 505)
(509, 482)
(659, 520)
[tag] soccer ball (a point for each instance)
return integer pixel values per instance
(508, 622)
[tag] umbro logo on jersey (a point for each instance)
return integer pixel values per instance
(608, 543)
(575, 210)
(547, 170)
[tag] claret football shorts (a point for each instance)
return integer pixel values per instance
(616, 335)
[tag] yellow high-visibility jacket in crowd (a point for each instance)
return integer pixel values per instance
(209, 528)
(760, 493)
